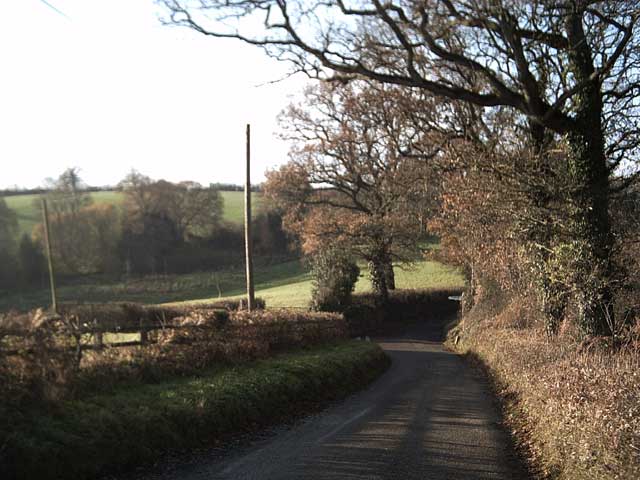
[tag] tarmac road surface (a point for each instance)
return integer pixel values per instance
(430, 416)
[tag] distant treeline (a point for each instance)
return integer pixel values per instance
(13, 192)
(160, 227)
(230, 187)
(221, 187)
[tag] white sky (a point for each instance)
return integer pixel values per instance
(109, 89)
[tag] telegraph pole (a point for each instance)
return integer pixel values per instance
(247, 226)
(47, 241)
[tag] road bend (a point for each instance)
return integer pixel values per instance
(430, 416)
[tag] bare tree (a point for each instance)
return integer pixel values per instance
(569, 66)
(349, 181)
(66, 199)
(194, 210)
(159, 216)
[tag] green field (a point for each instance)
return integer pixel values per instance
(281, 285)
(28, 211)
(297, 291)
(234, 206)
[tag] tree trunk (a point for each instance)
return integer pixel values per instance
(553, 299)
(378, 273)
(551, 293)
(390, 276)
(589, 250)
(590, 228)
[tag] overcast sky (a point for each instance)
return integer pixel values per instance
(103, 86)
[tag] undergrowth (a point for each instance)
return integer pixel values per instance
(573, 404)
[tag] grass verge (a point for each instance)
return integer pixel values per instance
(114, 432)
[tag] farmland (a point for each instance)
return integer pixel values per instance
(285, 284)
(28, 211)
(500, 137)
(297, 291)
(282, 284)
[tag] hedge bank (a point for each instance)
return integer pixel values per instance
(366, 316)
(572, 403)
(114, 432)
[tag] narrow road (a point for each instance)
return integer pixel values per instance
(428, 417)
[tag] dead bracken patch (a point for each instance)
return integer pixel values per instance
(574, 406)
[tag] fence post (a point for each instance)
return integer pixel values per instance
(98, 341)
(47, 241)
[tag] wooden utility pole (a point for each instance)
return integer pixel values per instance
(47, 241)
(247, 226)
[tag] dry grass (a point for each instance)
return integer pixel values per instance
(574, 406)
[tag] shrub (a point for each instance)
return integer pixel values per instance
(40, 369)
(239, 304)
(279, 330)
(334, 277)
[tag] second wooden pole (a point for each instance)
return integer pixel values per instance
(247, 226)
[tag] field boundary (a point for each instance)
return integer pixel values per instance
(110, 433)
(53, 358)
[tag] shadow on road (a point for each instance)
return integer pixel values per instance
(434, 420)
(428, 417)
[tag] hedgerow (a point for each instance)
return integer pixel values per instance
(573, 404)
(365, 315)
(51, 358)
(131, 426)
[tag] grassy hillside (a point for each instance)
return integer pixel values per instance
(28, 209)
(281, 285)
(234, 206)
(297, 291)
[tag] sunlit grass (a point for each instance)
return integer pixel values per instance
(234, 206)
(285, 284)
(295, 292)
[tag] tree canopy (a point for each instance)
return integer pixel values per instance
(349, 182)
(565, 68)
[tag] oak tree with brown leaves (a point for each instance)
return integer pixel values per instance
(567, 66)
(349, 183)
